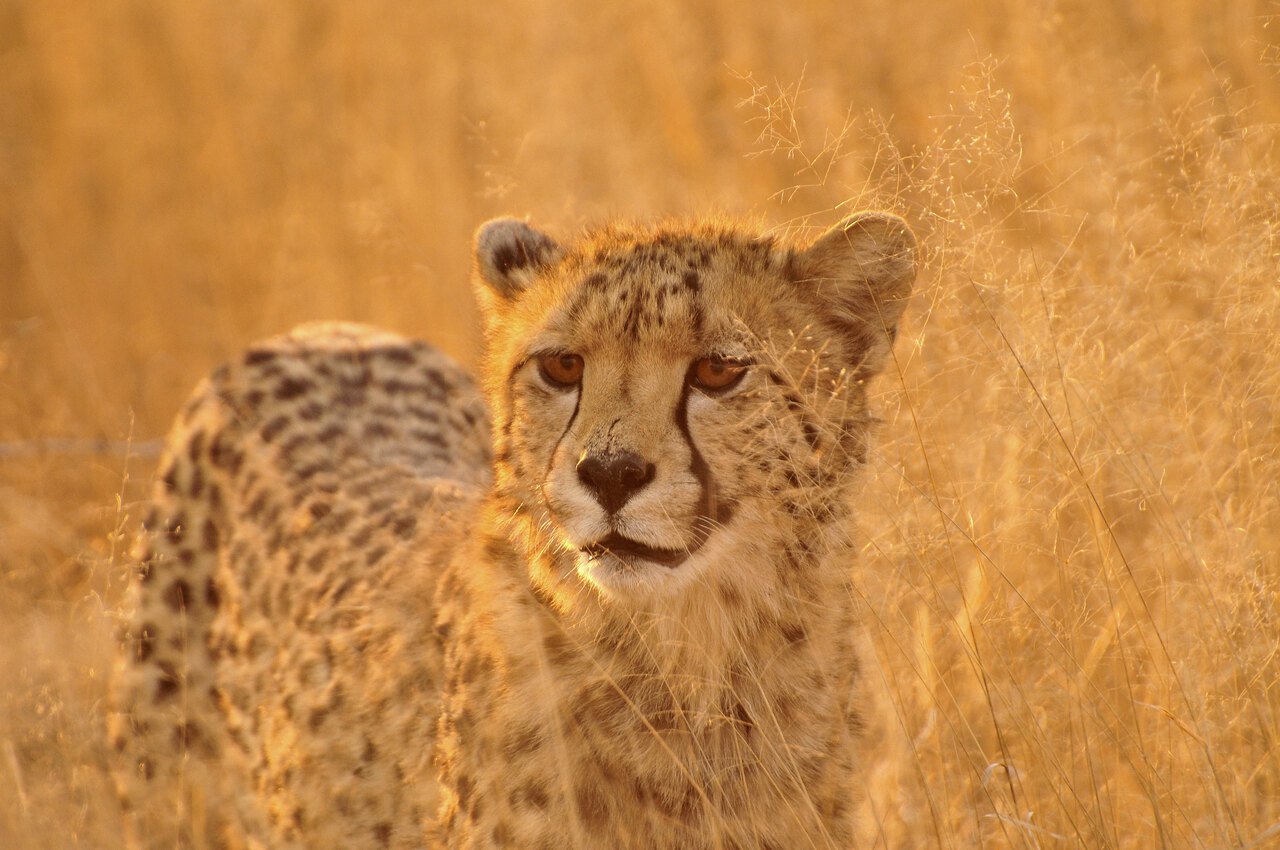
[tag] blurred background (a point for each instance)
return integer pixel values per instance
(1071, 570)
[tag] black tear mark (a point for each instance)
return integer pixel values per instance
(723, 508)
(577, 401)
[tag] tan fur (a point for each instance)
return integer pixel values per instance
(348, 632)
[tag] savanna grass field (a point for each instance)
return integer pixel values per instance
(1070, 570)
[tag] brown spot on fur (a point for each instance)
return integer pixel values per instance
(273, 428)
(291, 388)
(220, 452)
(521, 741)
(176, 528)
(259, 356)
(404, 526)
(195, 445)
(185, 734)
(170, 478)
(592, 805)
(534, 794)
(794, 632)
(403, 356)
(209, 535)
(558, 646)
(177, 595)
(196, 487)
(212, 597)
(145, 643)
(168, 683)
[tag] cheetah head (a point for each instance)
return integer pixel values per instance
(670, 402)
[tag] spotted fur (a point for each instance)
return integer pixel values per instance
(355, 625)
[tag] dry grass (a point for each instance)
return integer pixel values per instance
(1072, 569)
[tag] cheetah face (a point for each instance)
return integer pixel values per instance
(635, 481)
(654, 391)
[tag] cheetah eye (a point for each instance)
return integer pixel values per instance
(716, 374)
(561, 370)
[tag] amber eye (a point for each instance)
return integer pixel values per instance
(562, 370)
(716, 373)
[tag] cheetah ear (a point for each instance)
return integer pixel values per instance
(862, 271)
(509, 255)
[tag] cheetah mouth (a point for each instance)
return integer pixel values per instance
(626, 549)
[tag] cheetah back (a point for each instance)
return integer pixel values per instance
(305, 505)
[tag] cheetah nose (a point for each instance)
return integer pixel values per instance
(615, 477)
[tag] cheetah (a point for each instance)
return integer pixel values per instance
(602, 599)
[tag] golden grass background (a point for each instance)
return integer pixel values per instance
(1072, 562)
